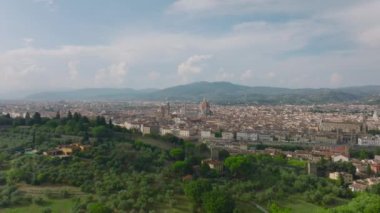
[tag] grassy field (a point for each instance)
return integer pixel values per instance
(9, 139)
(57, 206)
(302, 206)
(248, 208)
(297, 163)
(43, 190)
(183, 205)
(299, 205)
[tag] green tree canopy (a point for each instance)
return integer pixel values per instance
(223, 154)
(240, 165)
(100, 131)
(177, 153)
(366, 203)
(218, 201)
(37, 118)
(196, 188)
(98, 208)
(181, 167)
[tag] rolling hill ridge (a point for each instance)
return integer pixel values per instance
(223, 92)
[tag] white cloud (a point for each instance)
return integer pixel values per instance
(246, 75)
(20, 76)
(336, 79)
(192, 65)
(360, 20)
(73, 69)
(112, 75)
(168, 47)
(248, 44)
(290, 53)
(154, 75)
(28, 42)
(223, 75)
(258, 40)
(239, 7)
(194, 5)
(371, 37)
(249, 26)
(48, 2)
(271, 75)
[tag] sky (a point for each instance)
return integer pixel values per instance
(48, 45)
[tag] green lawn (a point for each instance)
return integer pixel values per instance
(297, 163)
(299, 205)
(53, 189)
(247, 207)
(57, 206)
(181, 205)
(10, 140)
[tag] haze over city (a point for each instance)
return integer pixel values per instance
(189, 106)
(57, 45)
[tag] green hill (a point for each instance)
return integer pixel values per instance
(225, 93)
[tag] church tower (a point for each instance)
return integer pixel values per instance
(375, 116)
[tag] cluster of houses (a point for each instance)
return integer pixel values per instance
(358, 185)
(63, 151)
(346, 177)
(350, 130)
(331, 133)
(366, 170)
(363, 184)
(369, 141)
(154, 128)
(214, 164)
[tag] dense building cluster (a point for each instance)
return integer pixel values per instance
(327, 131)
(322, 124)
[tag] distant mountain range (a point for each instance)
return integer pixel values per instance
(224, 93)
(90, 94)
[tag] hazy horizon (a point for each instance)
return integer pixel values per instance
(18, 95)
(52, 45)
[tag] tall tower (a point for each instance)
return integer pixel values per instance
(167, 109)
(214, 152)
(364, 125)
(312, 168)
(204, 108)
(183, 110)
(375, 116)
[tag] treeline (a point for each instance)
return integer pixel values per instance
(281, 147)
(208, 197)
(263, 179)
(170, 138)
(71, 124)
(126, 175)
(364, 153)
(374, 132)
(368, 202)
(324, 167)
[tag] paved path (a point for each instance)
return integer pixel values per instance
(262, 209)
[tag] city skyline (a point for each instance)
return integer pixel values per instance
(59, 45)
